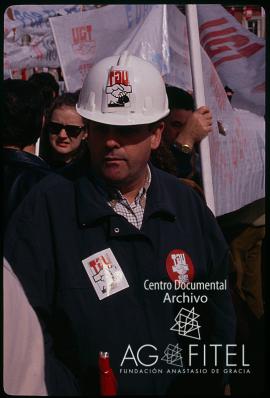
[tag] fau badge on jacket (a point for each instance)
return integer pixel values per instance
(105, 273)
(179, 266)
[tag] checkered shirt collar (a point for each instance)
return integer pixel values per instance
(116, 196)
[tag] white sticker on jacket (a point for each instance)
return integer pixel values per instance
(105, 273)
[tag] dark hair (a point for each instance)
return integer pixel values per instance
(23, 110)
(46, 150)
(47, 85)
(66, 99)
(179, 99)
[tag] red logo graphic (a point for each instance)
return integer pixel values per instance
(82, 42)
(82, 34)
(118, 89)
(179, 266)
(84, 68)
(118, 77)
(97, 265)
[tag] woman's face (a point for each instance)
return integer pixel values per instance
(63, 143)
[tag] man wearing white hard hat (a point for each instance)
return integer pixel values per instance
(125, 259)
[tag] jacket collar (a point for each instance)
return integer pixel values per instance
(91, 199)
(159, 200)
(16, 156)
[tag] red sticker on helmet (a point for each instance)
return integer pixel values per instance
(118, 89)
(179, 266)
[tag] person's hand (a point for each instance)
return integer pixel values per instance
(198, 126)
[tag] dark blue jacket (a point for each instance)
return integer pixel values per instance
(22, 171)
(63, 222)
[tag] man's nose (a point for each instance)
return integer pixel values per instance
(112, 138)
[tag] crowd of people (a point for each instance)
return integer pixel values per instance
(114, 198)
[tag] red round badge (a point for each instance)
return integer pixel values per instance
(179, 266)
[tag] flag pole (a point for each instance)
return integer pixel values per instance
(37, 147)
(198, 91)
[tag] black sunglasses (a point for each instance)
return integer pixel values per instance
(71, 130)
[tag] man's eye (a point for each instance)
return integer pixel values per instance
(128, 130)
(99, 127)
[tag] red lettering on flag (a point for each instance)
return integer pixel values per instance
(250, 50)
(216, 33)
(237, 40)
(214, 22)
(81, 34)
(218, 50)
(242, 53)
(259, 88)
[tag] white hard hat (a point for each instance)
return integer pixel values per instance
(123, 90)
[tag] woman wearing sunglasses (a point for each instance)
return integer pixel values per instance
(64, 132)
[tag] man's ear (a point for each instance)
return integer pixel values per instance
(156, 134)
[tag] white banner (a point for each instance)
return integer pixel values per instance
(83, 40)
(238, 162)
(237, 54)
(28, 37)
(236, 181)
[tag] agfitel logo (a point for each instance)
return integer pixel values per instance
(186, 325)
(172, 355)
(148, 356)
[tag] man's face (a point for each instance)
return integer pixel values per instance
(174, 123)
(119, 154)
